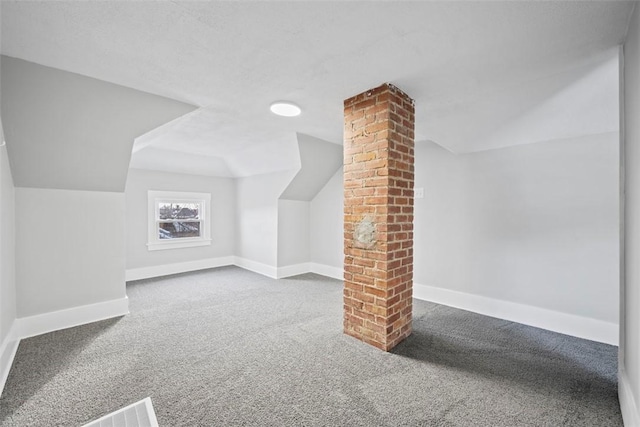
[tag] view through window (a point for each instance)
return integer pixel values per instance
(178, 219)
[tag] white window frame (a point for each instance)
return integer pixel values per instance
(154, 198)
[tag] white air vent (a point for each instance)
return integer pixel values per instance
(139, 414)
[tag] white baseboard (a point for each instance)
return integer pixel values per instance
(25, 327)
(569, 324)
(327, 270)
(53, 321)
(293, 270)
(8, 350)
(628, 407)
(175, 268)
(257, 267)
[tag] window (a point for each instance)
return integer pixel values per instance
(178, 220)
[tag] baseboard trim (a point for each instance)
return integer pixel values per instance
(630, 414)
(25, 327)
(8, 350)
(327, 270)
(569, 324)
(53, 321)
(293, 270)
(175, 268)
(247, 264)
(257, 267)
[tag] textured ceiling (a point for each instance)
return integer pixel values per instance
(470, 66)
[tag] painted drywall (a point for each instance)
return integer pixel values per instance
(275, 152)
(198, 143)
(238, 56)
(326, 224)
(70, 249)
(293, 232)
(319, 161)
(68, 131)
(629, 361)
(534, 225)
(152, 158)
(257, 223)
(8, 342)
(223, 217)
(536, 110)
(7, 247)
(440, 218)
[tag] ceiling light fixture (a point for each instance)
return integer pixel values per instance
(285, 108)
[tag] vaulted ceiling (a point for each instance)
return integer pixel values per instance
(483, 74)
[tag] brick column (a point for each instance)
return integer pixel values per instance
(378, 216)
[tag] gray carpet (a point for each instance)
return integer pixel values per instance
(227, 347)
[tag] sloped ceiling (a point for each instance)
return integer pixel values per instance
(483, 74)
(206, 142)
(319, 162)
(67, 131)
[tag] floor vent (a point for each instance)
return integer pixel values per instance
(139, 414)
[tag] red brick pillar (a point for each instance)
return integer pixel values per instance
(378, 216)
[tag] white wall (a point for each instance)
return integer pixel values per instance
(223, 217)
(70, 249)
(257, 223)
(326, 224)
(8, 342)
(534, 224)
(7, 247)
(7, 265)
(629, 365)
(293, 232)
(440, 218)
(531, 228)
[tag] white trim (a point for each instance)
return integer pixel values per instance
(293, 270)
(154, 243)
(7, 354)
(569, 324)
(327, 270)
(257, 267)
(151, 412)
(177, 244)
(175, 268)
(53, 321)
(630, 414)
(110, 419)
(26, 327)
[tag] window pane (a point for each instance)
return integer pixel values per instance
(169, 210)
(178, 230)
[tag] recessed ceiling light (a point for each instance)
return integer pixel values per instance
(285, 108)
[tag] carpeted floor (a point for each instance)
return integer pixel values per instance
(227, 347)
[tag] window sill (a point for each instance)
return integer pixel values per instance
(176, 244)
